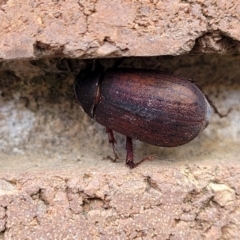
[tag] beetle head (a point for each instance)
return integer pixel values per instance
(86, 88)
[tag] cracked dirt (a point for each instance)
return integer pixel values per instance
(91, 29)
(87, 203)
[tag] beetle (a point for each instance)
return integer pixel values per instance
(155, 107)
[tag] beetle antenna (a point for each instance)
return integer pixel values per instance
(129, 158)
(94, 65)
(112, 141)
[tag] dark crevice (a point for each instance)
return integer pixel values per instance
(215, 42)
(5, 225)
(41, 49)
(90, 203)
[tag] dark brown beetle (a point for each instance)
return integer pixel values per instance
(154, 107)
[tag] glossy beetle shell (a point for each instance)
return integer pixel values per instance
(154, 107)
(86, 90)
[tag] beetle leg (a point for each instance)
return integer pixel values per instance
(112, 140)
(129, 158)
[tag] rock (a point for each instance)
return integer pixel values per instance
(129, 207)
(93, 29)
